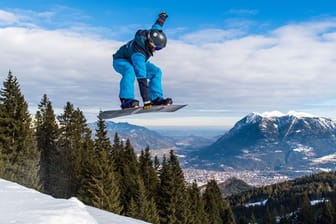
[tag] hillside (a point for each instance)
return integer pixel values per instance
(287, 198)
(233, 186)
(21, 205)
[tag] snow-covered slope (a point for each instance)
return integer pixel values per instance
(21, 205)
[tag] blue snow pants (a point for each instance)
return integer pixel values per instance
(126, 69)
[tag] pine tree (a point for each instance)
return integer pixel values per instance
(327, 214)
(47, 135)
(213, 202)
(253, 219)
(156, 164)
(151, 213)
(64, 148)
(196, 205)
(89, 163)
(80, 136)
(227, 215)
(243, 220)
(172, 193)
(117, 153)
(102, 189)
(306, 212)
(130, 180)
(133, 209)
(148, 173)
(218, 210)
(18, 150)
(164, 198)
(179, 190)
(146, 209)
(126, 167)
(73, 129)
(268, 218)
(118, 167)
(89, 158)
(102, 141)
(99, 185)
(149, 184)
(284, 220)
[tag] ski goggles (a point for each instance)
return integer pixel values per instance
(157, 48)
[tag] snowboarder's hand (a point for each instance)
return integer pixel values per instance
(163, 15)
(161, 18)
(147, 106)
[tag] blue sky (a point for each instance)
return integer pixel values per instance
(224, 58)
(261, 15)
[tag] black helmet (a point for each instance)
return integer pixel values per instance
(157, 38)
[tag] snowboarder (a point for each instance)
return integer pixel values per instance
(131, 61)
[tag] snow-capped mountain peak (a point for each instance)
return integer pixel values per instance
(276, 140)
(276, 119)
(274, 114)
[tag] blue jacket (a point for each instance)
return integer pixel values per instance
(137, 51)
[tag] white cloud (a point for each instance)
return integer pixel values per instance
(283, 69)
(211, 35)
(66, 66)
(290, 68)
(7, 18)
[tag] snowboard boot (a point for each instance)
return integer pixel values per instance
(162, 101)
(128, 103)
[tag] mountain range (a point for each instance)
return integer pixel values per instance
(272, 141)
(141, 137)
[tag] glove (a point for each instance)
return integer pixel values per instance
(144, 90)
(163, 15)
(147, 105)
(162, 18)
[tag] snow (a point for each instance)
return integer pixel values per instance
(251, 118)
(325, 159)
(181, 156)
(258, 203)
(327, 123)
(272, 114)
(21, 205)
(263, 203)
(315, 202)
(255, 116)
(304, 149)
(290, 113)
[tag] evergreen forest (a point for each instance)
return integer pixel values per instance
(305, 200)
(57, 155)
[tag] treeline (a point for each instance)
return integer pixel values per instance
(58, 156)
(305, 200)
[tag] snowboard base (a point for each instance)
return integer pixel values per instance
(139, 110)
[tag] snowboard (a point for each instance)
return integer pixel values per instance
(139, 110)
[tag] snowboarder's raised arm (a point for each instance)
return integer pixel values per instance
(160, 21)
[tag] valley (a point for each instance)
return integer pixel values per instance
(260, 149)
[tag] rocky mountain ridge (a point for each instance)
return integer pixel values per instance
(273, 141)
